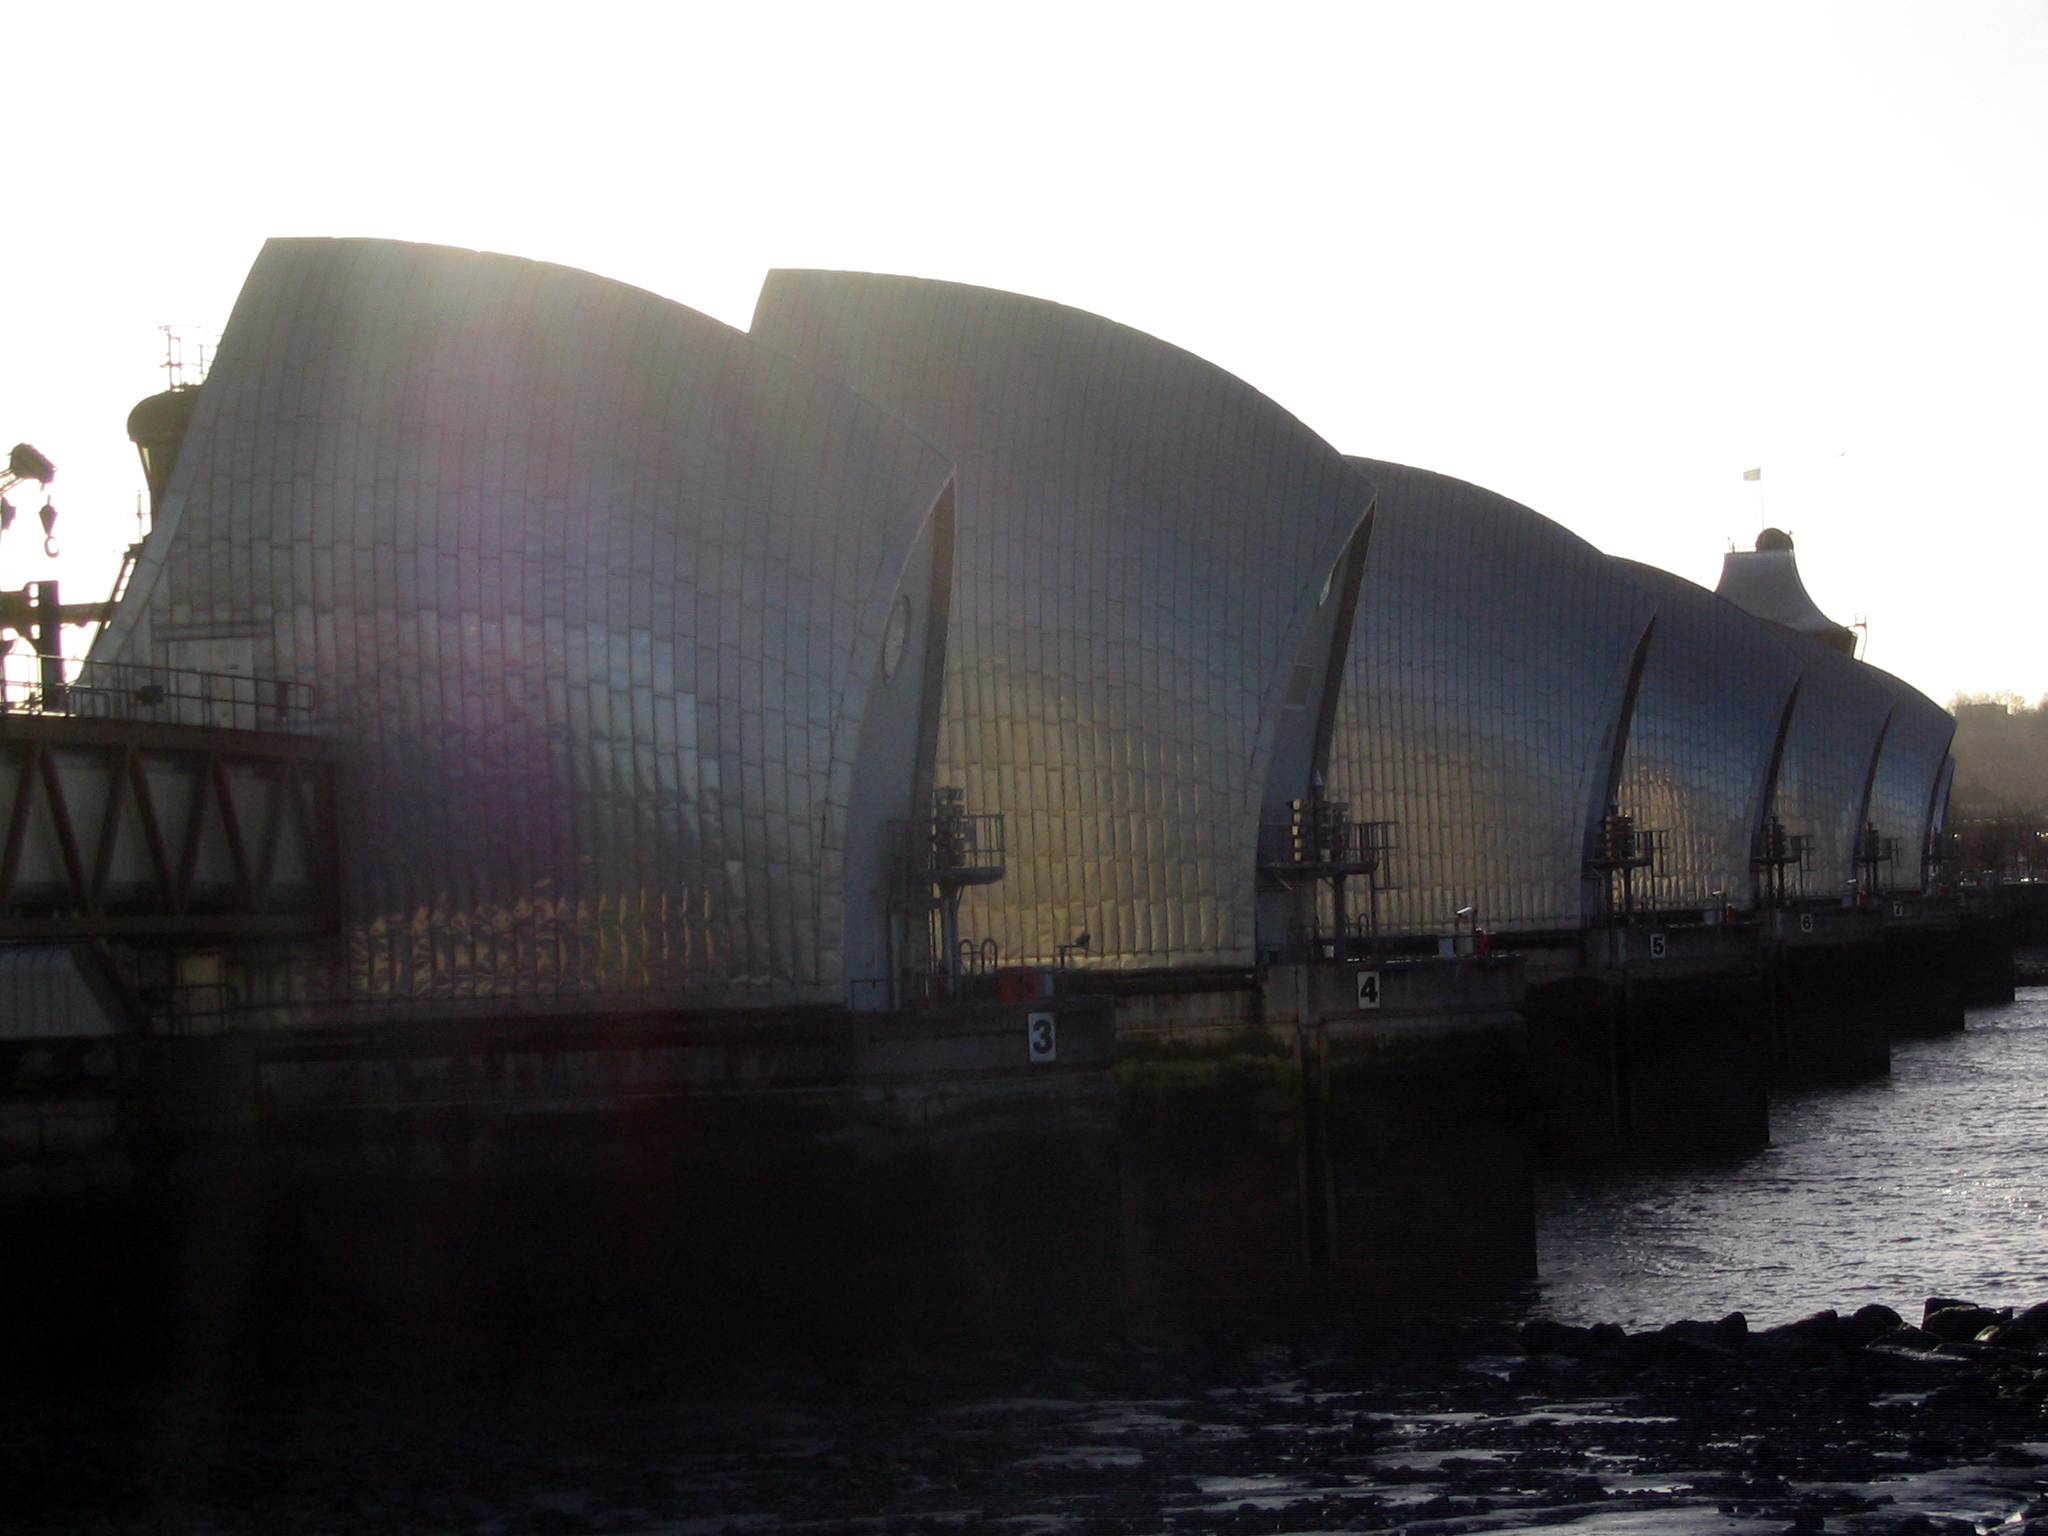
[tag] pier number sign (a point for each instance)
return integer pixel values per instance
(1368, 990)
(1659, 946)
(1042, 1034)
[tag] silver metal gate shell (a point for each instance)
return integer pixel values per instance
(593, 588)
(1142, 543)
(1906, 789)
(1489, 660)
(1827, 783)
(1700, 739)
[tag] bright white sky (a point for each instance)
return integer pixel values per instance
(1600, 258)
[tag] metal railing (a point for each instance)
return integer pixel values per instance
(952, 847)
(1873, 851)
(1619, 845)
(1625, 858)
(1780, 861)
(1319, 838)
(98, 690)
(933, 860)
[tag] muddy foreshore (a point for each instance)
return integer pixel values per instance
(1828, 1424)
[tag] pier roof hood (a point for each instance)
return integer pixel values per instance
(1765, 582)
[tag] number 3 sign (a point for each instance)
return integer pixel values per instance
(1043, 1037)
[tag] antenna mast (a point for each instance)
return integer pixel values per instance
(175, 363)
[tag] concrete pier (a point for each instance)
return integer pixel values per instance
(1984, 944)
(1341, 1137)
(831, 1180)
(1650, 1041)
(1927, 964)
(1304, 1142)
(1348, 1136)
(1831, 1003)
(1663, 1038)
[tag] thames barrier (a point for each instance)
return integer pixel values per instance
(938, 813)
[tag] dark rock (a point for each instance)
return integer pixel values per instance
(1490, 1341)
(1336, 1371)
(1826, 1326)
(1763, 1459)
(1538, 1368)
(1808, 1341)
(1868, 1323)
(1422, 1341)
(1605, 1339)
(1932, 1447)
(1785, 1347)
(2027, 1329)
(1540, 1336)
(1970, 1349)
(1690, 1335)
(1902, 1337)
(1935, 1304)
(1960, 1322)
(1969, 1396)
(1638, 1349)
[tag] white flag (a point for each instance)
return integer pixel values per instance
(1752, 474)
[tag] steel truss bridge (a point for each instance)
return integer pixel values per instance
(152, 805)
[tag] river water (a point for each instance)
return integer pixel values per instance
(1931, 1182)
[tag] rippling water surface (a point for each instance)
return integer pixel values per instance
(1934, 1181)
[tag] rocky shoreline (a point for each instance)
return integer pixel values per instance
(1858, 1423)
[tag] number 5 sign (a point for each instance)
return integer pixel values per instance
(1043, 1036)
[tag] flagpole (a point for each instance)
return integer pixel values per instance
(1758, 476)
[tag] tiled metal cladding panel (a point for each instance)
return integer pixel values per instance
(1836, 727)
(1904, 796)
(592, 587)
(1142, 542)
(1713, 692)
(1488, 664)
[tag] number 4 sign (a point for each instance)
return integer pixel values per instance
(1043, 1036)
(1368, 990)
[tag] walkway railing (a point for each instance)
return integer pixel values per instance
(96, 690)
